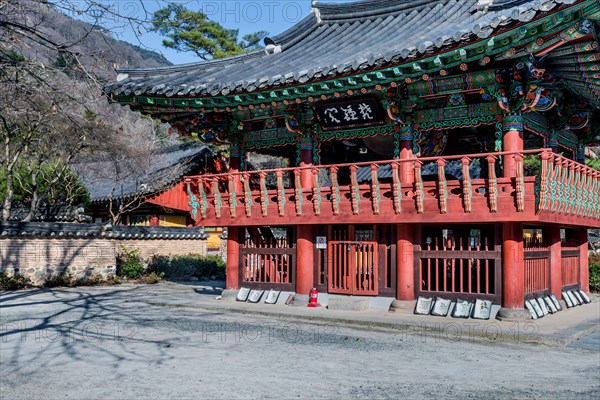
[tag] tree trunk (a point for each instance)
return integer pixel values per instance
(7, 205)
(35, 197)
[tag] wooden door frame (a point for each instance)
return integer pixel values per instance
(291, 251)
(352, 269)
(495, 255)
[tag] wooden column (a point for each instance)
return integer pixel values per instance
(233, 256)
(405, 275)
(584, 270)
(306, 160)
(513, 266)
(512, 126)
(234, 167)
(405, 152)
(305, 269)
(555, 260)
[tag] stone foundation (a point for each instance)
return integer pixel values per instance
(41, 259)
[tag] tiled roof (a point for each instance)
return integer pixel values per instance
(338, 39)
(452, 169)
(168, 167)
(52, 213)
(60, 230)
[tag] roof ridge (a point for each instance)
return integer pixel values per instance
(498, 5)
(199, 65)
(371, 8)
(361, 9)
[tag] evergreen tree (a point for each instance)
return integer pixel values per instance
(193, 31)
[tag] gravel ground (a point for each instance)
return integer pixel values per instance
(85, 344)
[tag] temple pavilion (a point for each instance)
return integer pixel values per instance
(427, 148)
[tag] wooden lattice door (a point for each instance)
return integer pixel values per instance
(353, 268)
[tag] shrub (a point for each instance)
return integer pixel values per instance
(59, 280)
(593, 163)
(152, 278)
(13, 282)
(187, 266)
(160, 264)
(595, 274)
(90, 281)
(129, 263)
(532, 165)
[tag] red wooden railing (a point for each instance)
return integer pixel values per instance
(568, 187)
(270, 261)
(458, 268)
(564, 186)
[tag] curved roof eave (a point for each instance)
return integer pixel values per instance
(338, 39)
(285, 39)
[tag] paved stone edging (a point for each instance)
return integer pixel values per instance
(425, 328)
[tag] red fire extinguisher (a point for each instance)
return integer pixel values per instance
(313, 298)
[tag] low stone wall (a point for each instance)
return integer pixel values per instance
(41, 251)
(164, 247)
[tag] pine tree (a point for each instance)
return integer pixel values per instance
(192, 31)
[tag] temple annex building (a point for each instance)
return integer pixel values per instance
(432, 148)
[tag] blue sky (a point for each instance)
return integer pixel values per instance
(246, 15)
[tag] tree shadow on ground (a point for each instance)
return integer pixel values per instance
(77, 324)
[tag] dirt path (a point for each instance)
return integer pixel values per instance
(96, 346)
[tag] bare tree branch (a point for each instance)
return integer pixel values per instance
(52, 112)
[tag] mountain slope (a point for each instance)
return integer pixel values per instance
(95, 47)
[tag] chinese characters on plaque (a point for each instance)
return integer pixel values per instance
(441, 307)
(243, 294)
(462, 309)
(423, 306)
(483, 309)
(255, 296)
(350, 113)
(272, 296)
(543, 306)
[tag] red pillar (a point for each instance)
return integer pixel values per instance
(513, 141)
(305, 272)
(513, 266)
(306, 176)
(407, 172)
(305, 269)
(405, 275)
(405, 152)
(234, 233)
(584, 268)
(555, 260)
(233, 257)
(234, 167)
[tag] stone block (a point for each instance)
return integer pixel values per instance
(229, 295)
(513, 314)
(348, 304)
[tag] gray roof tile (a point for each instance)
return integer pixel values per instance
(183, 159)
(13, 228)
(339, 38)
